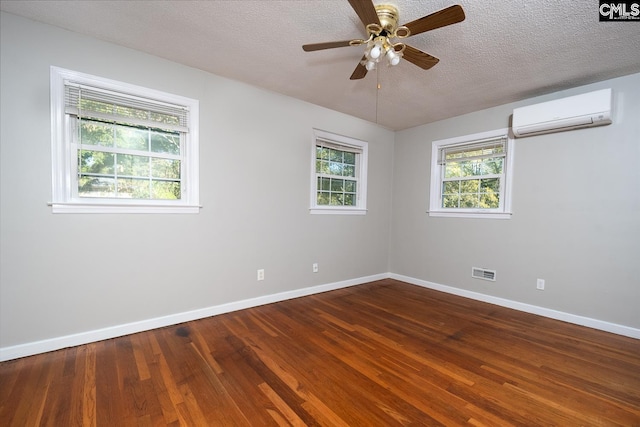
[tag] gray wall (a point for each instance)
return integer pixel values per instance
(69, 273)
(576, 220)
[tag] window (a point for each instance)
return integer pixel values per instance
(121, 148)
(471, 176)
(339, 177)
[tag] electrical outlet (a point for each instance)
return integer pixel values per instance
(261, 274)
(315, 267)
(540, 284)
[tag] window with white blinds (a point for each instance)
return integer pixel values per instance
(121, 148)
(338, 181)
(471, 176)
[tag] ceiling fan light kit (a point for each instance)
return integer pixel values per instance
(381, 24)
(380, 36)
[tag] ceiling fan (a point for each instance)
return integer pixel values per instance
(381, 24)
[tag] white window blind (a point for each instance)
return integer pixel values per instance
(85, 101)
(490, 147)
(323, 143)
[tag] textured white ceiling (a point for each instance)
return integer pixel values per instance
(504, 51)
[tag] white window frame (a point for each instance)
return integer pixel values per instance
(437, 175)
(64, 151)
(361, 173)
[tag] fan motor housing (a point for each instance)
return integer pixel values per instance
(388, 15)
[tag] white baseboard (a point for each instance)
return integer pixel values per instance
(528, 308)
(29, 349)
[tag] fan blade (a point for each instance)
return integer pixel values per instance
(366, 11)
(360, 70)
(441, 18)
(419, 58)
(326, 45)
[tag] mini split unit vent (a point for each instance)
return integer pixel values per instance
(574, 112)
(483, 273)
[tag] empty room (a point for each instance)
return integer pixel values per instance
(322, 213)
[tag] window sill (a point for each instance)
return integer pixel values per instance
(484, 215)
(101, 208)
(337, 211)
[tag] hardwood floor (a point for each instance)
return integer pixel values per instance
(381, 354)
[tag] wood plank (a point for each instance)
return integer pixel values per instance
(89, 402)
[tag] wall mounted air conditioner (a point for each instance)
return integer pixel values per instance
(574, 112)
